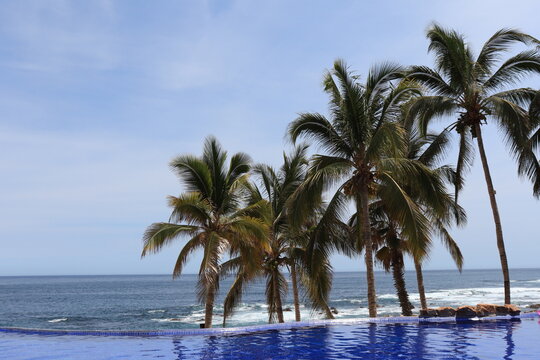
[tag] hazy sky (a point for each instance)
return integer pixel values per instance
(96, 98)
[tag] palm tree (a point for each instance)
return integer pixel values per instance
(365, 160)
(391, 255)
(208, 214)
(429, 150)
(439, 210)
(475, 90)
(283, 246)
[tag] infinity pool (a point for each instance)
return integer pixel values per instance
(487, 339)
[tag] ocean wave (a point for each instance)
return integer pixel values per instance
(350, 307)
(168, 320)
(521, 296)
(526, 281)
(57, 320)
(349, 300)
(387, 296)
(156, 311)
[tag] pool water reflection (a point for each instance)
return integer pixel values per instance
(503, 339)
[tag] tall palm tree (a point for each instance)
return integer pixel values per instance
(283, 246)
(208, 214)
(365, 160)
(478, 89)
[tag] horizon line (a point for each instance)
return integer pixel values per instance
(355, 271)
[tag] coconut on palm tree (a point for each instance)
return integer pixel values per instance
(365, 158)
(208, 215)
(473, 91)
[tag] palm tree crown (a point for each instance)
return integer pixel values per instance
(208, 214)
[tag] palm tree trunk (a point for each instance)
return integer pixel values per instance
(496, 217)
(399, 284)
(209, 307)
(295, 292)
(277, 299)
(420, 281)
(363, 216)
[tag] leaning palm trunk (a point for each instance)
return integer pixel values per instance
(368, 248)
(295, 292)
(399, 284)
(420, 281)
(209, 307)
(496, 217)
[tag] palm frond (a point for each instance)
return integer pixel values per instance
(431, 80)
(512, 120)
(194, 173)
(214, 249)
(499, 43)
(190, 207)
(192, 245)
(158, 235)
(464, 160)
(315, 127)
(452, 56)
(427, 108)
(514, 69)
(239, 165)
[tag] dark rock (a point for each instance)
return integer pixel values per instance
(483, 310)
(501, 310)
(287, 309)
(445, 311)
(465, 312)
(334, 310)
(534, 306)
(427, 313)
(513, 310)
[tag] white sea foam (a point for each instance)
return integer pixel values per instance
(256, 313)
(169, 320)
(57, 320)
(156, 311)
(521, 296)
(387, 296)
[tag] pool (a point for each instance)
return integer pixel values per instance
(484, 339)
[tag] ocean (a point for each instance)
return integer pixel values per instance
(159, 302)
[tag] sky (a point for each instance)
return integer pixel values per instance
(97, 97)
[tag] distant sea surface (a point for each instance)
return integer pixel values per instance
(158, 302)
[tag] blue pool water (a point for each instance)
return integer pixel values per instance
(489, 339)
